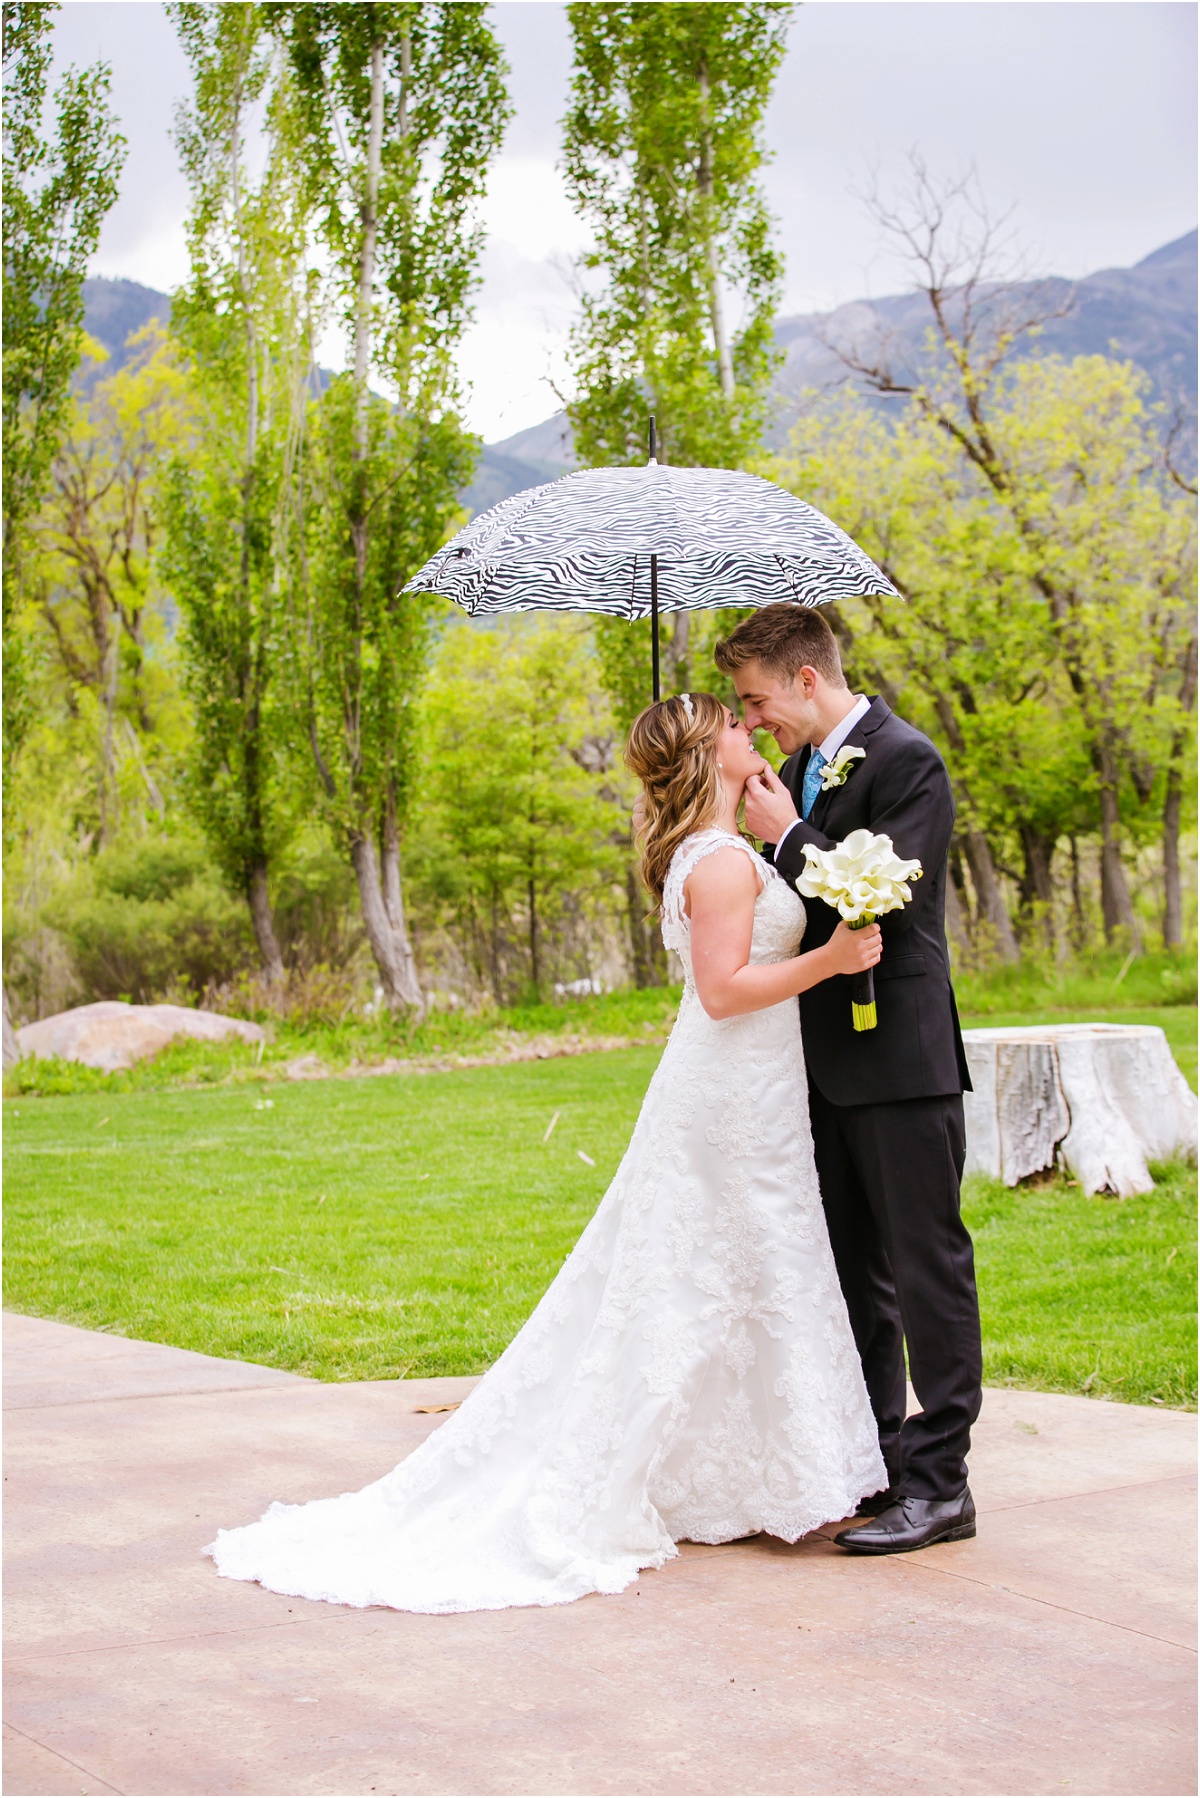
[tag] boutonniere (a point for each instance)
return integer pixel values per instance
(837, 772)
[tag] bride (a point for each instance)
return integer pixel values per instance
(690, 1375)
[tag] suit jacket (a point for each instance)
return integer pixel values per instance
(916, 1051)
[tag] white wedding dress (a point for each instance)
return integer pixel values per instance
(689, 1376)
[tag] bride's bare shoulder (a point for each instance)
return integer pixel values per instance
(726, 876)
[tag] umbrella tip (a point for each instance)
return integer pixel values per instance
(653, 439)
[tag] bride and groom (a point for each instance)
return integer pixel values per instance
(723, 1352)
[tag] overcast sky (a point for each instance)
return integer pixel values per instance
(1081, 113)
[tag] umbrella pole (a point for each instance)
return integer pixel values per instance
(654, 628)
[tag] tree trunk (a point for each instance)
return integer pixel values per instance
(12, 1048)
(991, 911)
(1172, 807)
(678, 651)
(958, 880)
(535, 959)
(366, 260)
(716, 307)
(1037, 886)
(109, 804)
(956, 921)
(389, 941)
(1115, 903)
(264, 925)
(1079, 929)
(646, 953)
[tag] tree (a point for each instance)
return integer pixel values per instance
(663, 145)
(243, 321)
(92, 560)
(1079, 547)
(525, 818)
(57, 188)
(976, 655)
(399, 108)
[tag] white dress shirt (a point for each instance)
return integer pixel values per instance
(832, 744)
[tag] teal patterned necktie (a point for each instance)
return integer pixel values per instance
(812, 783)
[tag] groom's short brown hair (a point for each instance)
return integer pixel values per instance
(784, 638)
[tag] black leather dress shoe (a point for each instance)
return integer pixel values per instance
(912, 1523)
(876, 1502)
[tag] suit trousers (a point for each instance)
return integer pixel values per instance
(890, 1178)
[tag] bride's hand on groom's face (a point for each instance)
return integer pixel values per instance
(854, 951)
(770, 808)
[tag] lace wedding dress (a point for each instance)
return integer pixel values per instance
(689, 1376)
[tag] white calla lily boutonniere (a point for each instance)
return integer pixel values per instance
(837, 772)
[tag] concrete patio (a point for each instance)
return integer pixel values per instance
(1054, 1654)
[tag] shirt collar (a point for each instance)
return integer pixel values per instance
(840, 732)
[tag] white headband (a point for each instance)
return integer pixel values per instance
(686, 699)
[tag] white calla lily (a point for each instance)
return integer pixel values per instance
(862, 878)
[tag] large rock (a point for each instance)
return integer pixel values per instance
(111, 1034)
(1103, 1100)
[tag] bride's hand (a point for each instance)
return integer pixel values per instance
(854, 951)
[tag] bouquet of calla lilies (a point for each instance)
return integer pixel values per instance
(862, 879)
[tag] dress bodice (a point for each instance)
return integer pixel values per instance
(778, 911)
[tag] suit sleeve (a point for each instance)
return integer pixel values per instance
(911, 802)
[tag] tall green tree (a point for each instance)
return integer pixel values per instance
(243, 320)
(97, 583)
(58, 185)
(1083, 550)
(662, 152)
(525, 809)
(399, 109)
(980, 655)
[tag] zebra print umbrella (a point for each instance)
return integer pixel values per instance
(585, 543)
(634, 542)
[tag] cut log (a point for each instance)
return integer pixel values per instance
(1103, 1100)
(111, 1034)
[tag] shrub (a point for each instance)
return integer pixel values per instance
(150, 919)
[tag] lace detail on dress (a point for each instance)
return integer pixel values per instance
(689, 1375)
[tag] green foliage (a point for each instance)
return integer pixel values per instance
(145, 920)
(663, 144)
(396, 111)
(243, 323)
(57, 188)
(662, 149)
(1043, 639)
(415, 1237)
(525, 817)
(102, 613)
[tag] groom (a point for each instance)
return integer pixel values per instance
(886, 1104)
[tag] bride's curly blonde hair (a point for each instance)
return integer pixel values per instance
(672, 748)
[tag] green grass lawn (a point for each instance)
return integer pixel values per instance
(393, 1225)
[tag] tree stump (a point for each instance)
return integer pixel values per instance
(1102, 1100)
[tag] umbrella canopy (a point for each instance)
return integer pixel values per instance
(632, 541)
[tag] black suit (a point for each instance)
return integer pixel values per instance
(887, 1113)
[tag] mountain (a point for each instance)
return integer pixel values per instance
(1146, 313)
(539, 453)
(114, 310)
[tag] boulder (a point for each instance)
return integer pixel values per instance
(1103, 1100)
(111, 1034)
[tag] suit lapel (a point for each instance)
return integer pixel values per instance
(858, 738)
